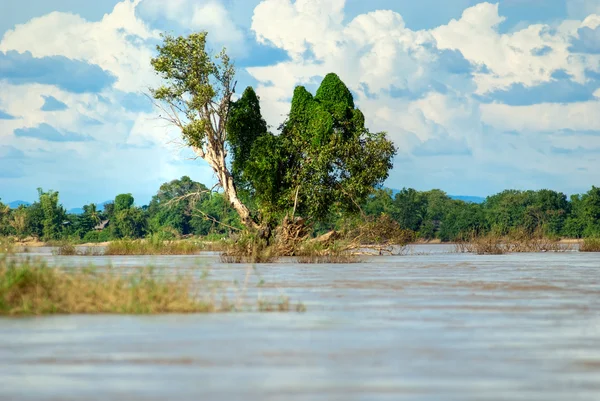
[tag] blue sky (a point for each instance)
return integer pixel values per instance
(478, 96)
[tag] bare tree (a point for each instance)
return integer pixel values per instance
(196, 97)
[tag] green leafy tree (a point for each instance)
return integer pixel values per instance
(379, 203)
(323, 158)
(214, 215)
(123, 202)
(244, 127)
(86, 221)
(410, 209)
(130, 223)
(5, 228)
(18, 221)
(53, 214)
(171, 209)
(127, 221)
(462, 221)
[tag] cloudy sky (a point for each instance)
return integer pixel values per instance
(478, 96)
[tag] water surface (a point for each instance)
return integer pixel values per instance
(428, 326)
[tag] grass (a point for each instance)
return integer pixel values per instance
(7, 245)
(248, 248)
(31, 288)
(317, 252)
(153, 247)
(493, 244)
(590, 245)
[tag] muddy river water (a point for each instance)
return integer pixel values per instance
(431, 325)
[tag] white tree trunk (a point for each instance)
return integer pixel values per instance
(216, 160)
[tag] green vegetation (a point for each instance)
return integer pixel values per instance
(184, 208)
(29, 288)
(323, 157)
(152, 246)
(590, 245)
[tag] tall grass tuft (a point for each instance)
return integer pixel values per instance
(154, 246)
(7, 245)
(28, 288)
(319, 252)
(514, 242)
(590, 245)
(248, 248)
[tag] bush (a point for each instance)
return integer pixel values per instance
(590, 245)
(34, 289)
(153, 246)
(97, 236)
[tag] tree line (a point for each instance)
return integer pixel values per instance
(180, 207)
(184, 207)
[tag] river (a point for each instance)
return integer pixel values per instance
(430, 325)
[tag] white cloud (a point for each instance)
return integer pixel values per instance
(116, 43)
(512, 57)
(543, 117)
(209, 15)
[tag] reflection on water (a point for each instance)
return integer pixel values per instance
(440, 326)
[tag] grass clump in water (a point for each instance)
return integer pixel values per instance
(514, 242)
(590, 245)
(319, 252)
(153, 246)
(7, 245)
(28, 288)
(248, 248)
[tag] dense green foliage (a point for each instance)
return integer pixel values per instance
(324, 158)
(184, 207)
(433, 214)
(180, 208)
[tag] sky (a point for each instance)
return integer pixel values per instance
(478, 97)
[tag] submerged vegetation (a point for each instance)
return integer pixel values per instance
(152, 246)
(30, 288)
(590, 245)
(515, 242)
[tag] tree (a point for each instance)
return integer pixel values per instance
(324, 157)
(244, 127)
(410, 209)
(174, 203)
(86, 221)
(129, 223)
(196, 97)
(4, 219)
(123, 202)
(18, 220)
(53, 214)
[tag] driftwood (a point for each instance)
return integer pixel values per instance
(290, 234)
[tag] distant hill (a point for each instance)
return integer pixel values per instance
(75, 210)
(464, 198)
(17, 203)
(468, 199)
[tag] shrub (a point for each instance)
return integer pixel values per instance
(590, 245)
(97, 236)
